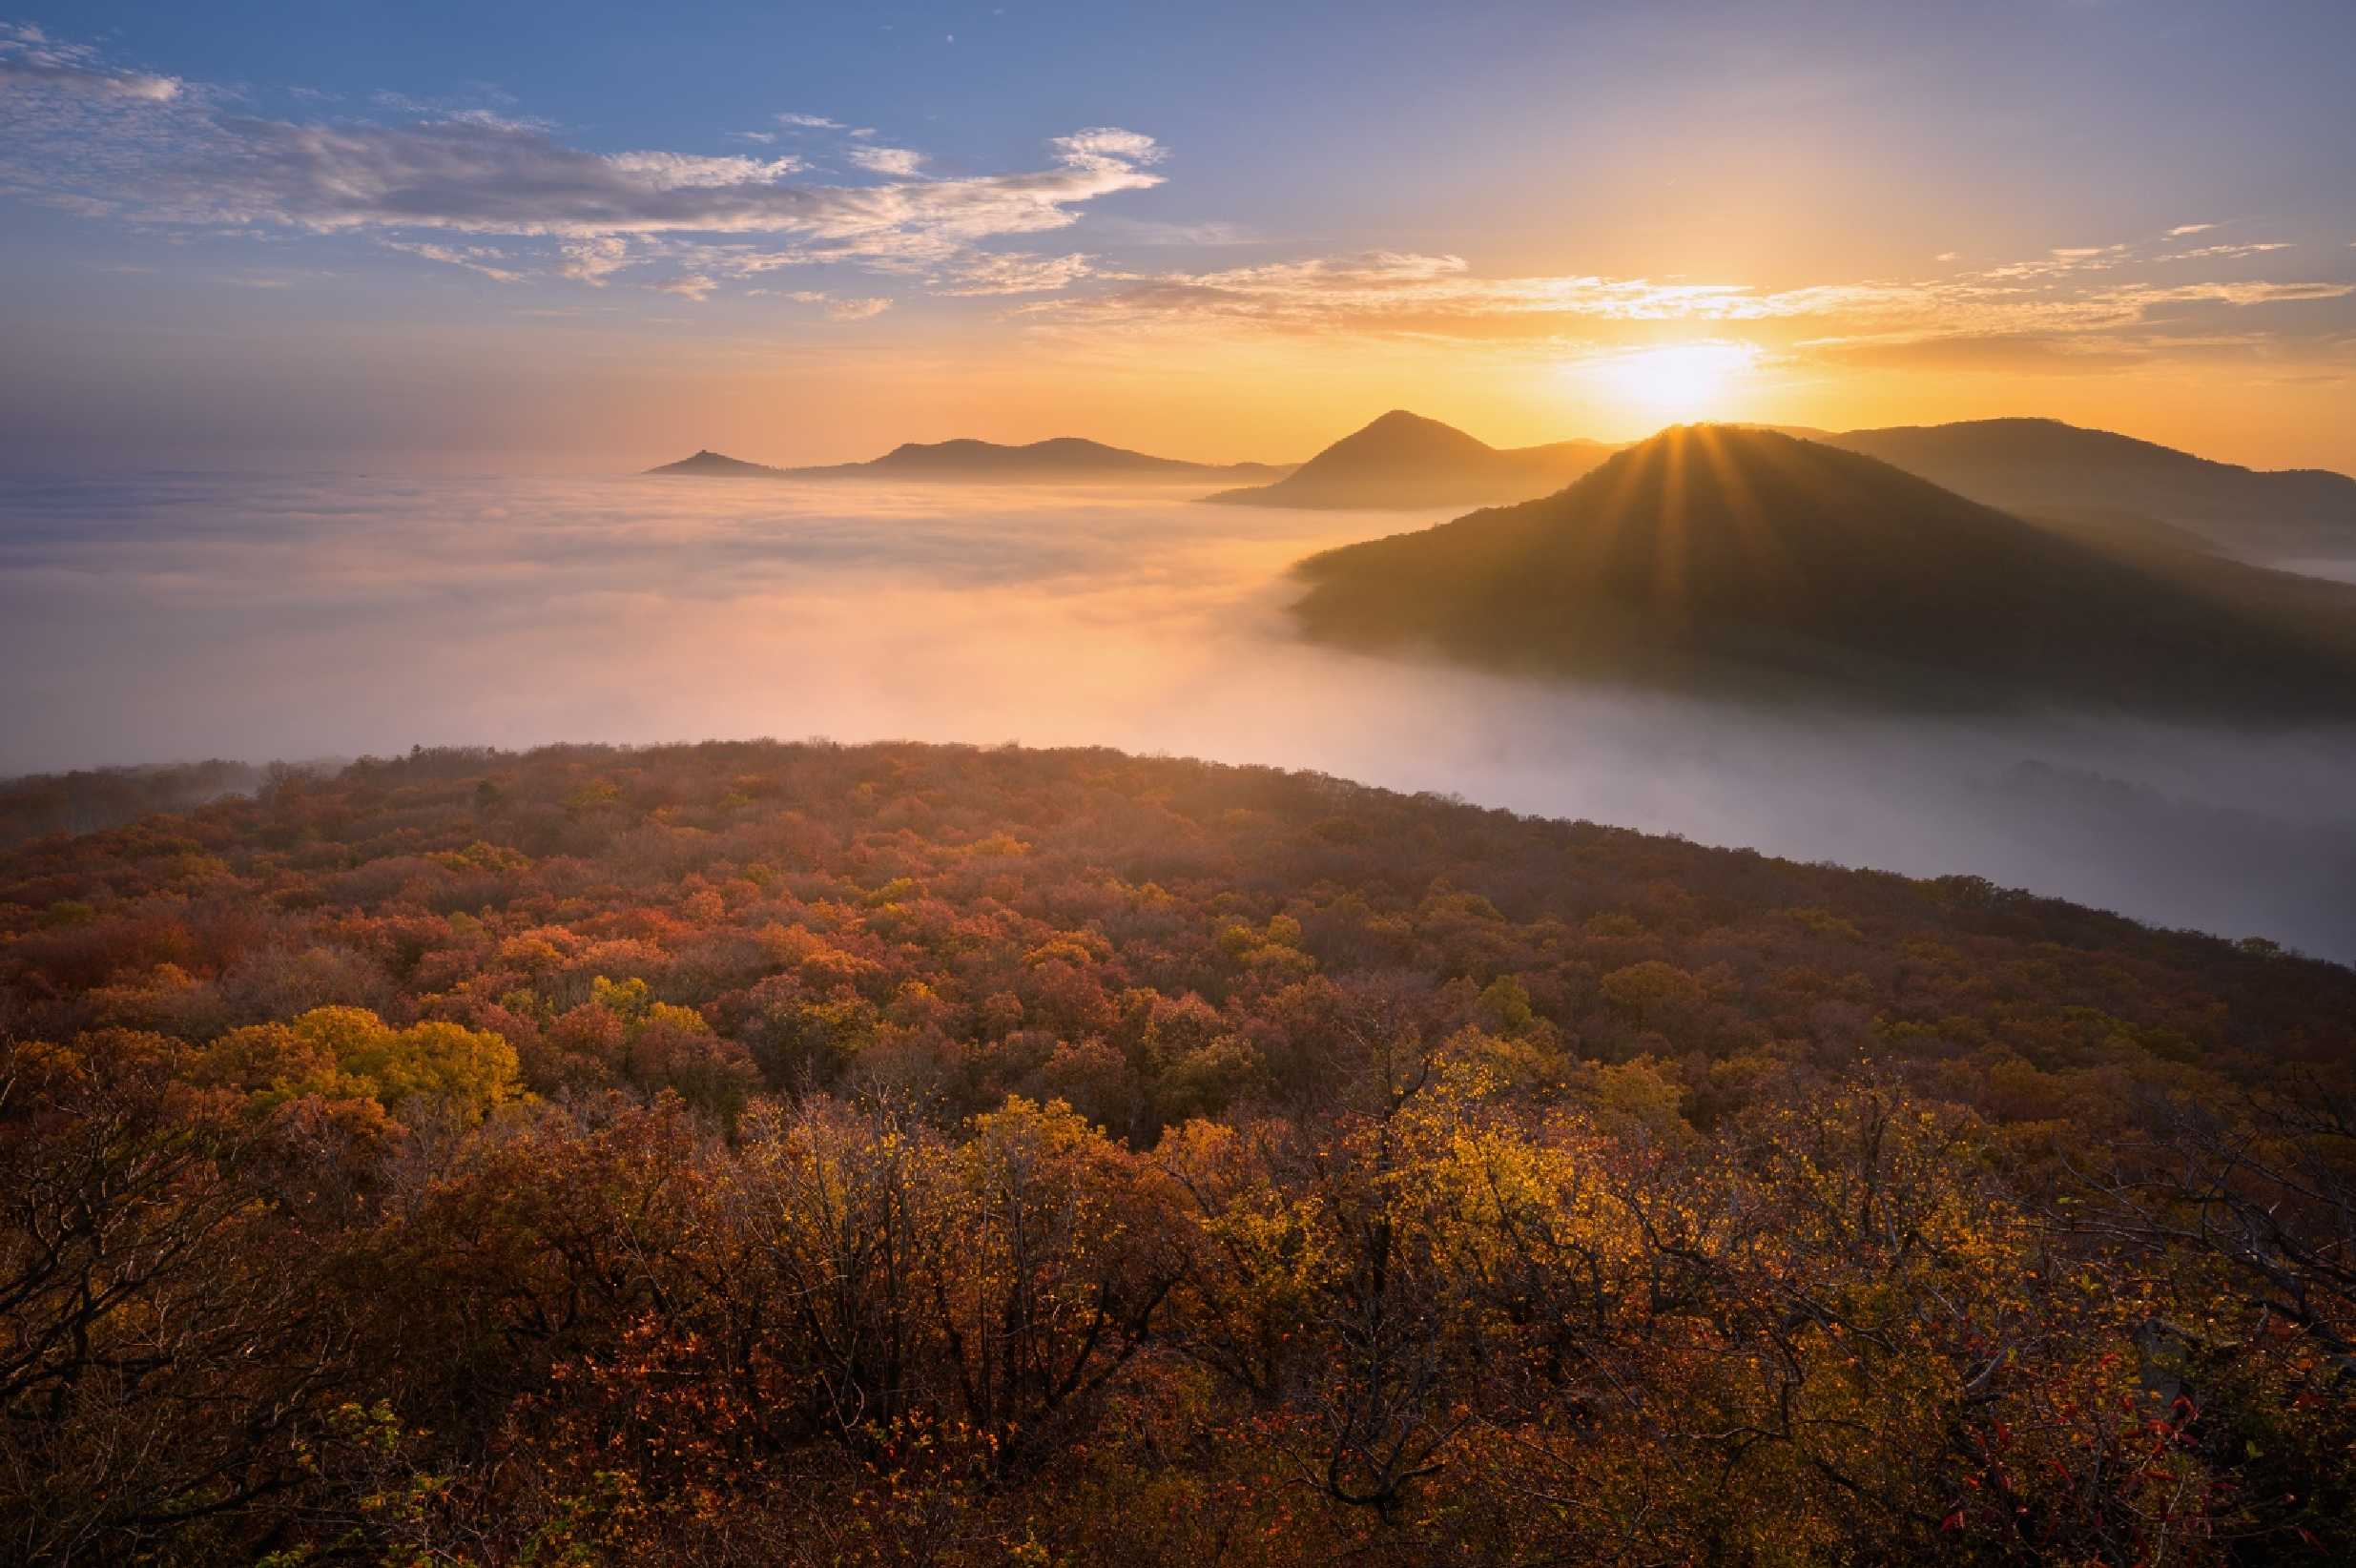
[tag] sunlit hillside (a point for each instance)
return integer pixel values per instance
(1715, 554)
(896, 1151)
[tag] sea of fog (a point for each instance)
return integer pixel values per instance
(173, 617)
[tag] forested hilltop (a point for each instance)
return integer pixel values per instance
(751, 1153)
(1747, 562)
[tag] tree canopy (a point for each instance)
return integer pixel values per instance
(751, 1153)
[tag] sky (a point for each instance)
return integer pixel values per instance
(588, 237)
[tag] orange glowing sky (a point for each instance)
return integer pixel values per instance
(431, 239)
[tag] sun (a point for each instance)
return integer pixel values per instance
(1676, 381)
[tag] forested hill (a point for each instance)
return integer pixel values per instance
(36, 805)
(1730, 556)
(2033, 465)
(747, 1153)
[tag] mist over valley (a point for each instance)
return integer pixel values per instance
(167, 617)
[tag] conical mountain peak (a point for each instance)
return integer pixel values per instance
(1404, 459)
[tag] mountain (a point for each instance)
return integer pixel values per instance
(2043, 465)
(2117, 530)
(1723, 556)
(1403, 460)
(1061, 457)
(713, 465)
(1065, 459)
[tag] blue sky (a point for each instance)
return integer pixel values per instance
(279, 233)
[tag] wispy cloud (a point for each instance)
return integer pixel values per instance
(2210, 252)
(693, 286)
(857, 309)
(463, 111)
(1146, 231)
(1017, 273)
(691, 171)
(481, 259)
(595, 261)
(468, 170)
(886, 160)
(2073, 307)
(29, 58)
(2229, 294)
(838, 309)
(495, 180)
(1108, 144)
(1381, 290)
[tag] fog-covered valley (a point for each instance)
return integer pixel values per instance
(171, 617)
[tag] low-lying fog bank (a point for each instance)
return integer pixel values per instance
(184, 616)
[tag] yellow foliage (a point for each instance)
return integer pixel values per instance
(351, 1053)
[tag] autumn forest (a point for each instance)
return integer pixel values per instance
(755, 1153)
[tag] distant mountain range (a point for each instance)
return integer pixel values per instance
(2044, 465)
(1403, 460)
(2038, 467)
(1065, 459)
(2092, 481)
(1719, 555)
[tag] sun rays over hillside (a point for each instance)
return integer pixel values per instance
(1722, 553)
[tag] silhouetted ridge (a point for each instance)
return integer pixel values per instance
(1060, 457)
(1721, 553)
(2042, 465)
(1403, 460)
